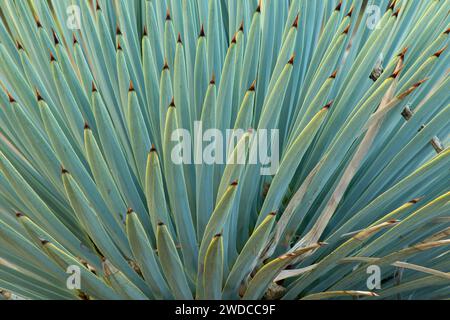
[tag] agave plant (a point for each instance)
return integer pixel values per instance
(92, 92)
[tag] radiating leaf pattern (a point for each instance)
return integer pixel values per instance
(92, 91)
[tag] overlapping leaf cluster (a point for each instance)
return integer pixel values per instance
(87, 179)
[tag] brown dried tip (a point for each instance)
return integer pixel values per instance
(418, 84)
(86, 126)
(218, 235)
(55, 38)
(64, 171)
(52, 58)
(295, 24)
(346, 30)
(94, 88)
(118, 31)
(396, 13)
(168, 17)
(161, 224)
(145, 31)
(414, 201)
(333, 75)
(392, 5)
(241, 27)
(328, 105)
(10, 97)
(410, 90)
(74, 39)
(38, 96)
(253, 86)
(153, 149)
(19, 214)
(447, 31)
(202, 31)
(403, 53)
(273, 213)
(19, 46)
(234, 183)
(349, 14)
(258, 8)
(234, 39)
(119, 47)
(213, 79)
(438, 54)
(291, 60)
(130, 211)
(338, 8)
(395, 74)
(179, 38)
(44, 242)
(166, 65)
(172, 103)
(38, 23)
(131, 87)
(98, 6)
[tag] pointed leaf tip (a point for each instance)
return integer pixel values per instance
(392, 5)
(202, 31)
(86, 126)
(38, 22)
(395, 74)
(328, 105)
(94, 88)
(10, 97)
(291, 60)
(52, 57)
(438, 54)
(179, 38)
(349, 14)
(213, 79)
(241, 27)
(252, 86)
(38, 95)
(130, 211)
(145, 31)
(346, 30)
(166, 65)
(118, 31)
(334, 74)
(131, 87)
(153, 149)
(55, 37)
(168, 17)
(64, 171)
(339, 6)
(395, 14)
(403, 52)
(19, 46)
(295, 24)
(416, 200)
(234, 39)
(172, 103)
(234, 183)
(19, 214)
